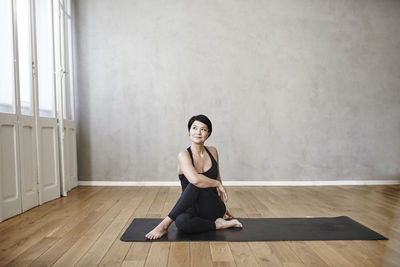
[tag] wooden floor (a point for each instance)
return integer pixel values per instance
(84, 228)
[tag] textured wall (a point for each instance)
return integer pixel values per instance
(296, 89)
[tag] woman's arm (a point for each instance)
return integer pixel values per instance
(217, 160)
(221, 190)
(197, 179)
(191, 174)
(224, 195)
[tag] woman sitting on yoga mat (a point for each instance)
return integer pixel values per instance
(200, 207)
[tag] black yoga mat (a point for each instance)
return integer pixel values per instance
(263, 229)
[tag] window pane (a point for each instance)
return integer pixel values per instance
(24, 56)
(6, 55)
(45, 52)
(67, 6)
(68, 98)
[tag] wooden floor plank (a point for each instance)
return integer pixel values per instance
(137, 253)
(158, 254)
(143, 209)
(118, 250)
(68, 239)
(285, 254)
(179, 254)
(29, 255)
(20, 231)
(305, 253)
(173, 196)
(133, 264)
(221, 254)
(200, 254)
(158, 203)
(242, 254)
(264, 254)
(247, 203)
(72, 256)
(18, 223)
(58, 223)
(329, 255)
(95, 254)
(84, 228)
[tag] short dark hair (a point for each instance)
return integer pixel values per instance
(202, 118)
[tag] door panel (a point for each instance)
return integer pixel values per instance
(9, 169)
(48, 159)
(69, 176)
(29, 188)
(70, 157)
(73, 158)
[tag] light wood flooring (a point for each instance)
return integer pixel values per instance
(84, 228)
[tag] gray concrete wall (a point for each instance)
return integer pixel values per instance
(296, 89)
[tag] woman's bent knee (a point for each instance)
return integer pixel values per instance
(192, 187)
(181, 222)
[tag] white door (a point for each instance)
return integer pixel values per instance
(69, 173)
(36, 104)
(18, 132)
(28, 162)
(25, 104)
(10, 198)
(47, 126)
(70, 165)
(49, 178)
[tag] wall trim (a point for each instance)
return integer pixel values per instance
(244, 183)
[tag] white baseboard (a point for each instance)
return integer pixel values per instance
(244, 183)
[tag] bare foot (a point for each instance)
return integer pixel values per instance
(222, 224)
(158, 232)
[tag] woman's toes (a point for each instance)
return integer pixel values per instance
(236, 223)
(150, 236)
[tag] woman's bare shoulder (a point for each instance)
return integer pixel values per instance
(183, 156)
(212, 148)
(213, 151)
(183, 153)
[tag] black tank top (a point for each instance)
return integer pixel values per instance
(211, 173)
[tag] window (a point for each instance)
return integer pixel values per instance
(45, 57)
(32, 30)
(7, 89)
(69, 92)
(24, 55)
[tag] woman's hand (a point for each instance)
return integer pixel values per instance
(222, 193)
(228, 215)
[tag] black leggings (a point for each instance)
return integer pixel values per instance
(197, 209)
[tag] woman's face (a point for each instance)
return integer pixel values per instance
(198, 132)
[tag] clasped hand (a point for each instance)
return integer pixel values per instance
(224, 197)
(222, 193)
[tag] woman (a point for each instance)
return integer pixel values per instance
(201, 205)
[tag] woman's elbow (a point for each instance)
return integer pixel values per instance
(195, 182)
